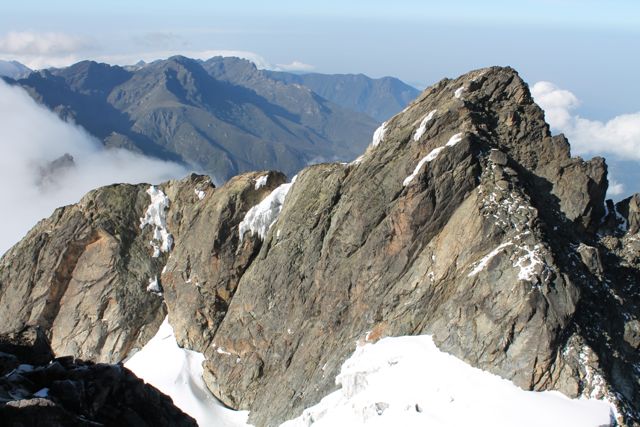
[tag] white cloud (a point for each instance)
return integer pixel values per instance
(39, 50)
(619, 136)
(615, 188)
(31, 43)
(30, 138)
(295, 66)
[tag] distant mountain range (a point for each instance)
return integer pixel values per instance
(379, 98)
(222, 116)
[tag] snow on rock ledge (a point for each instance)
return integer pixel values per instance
(407, 381)
(262, 216)
(261, 181)
(378, 135)
(156, 216)
(423, 126)
(177, 372)
(433, 154)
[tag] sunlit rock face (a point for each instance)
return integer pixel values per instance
(465, 220)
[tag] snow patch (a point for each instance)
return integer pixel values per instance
(433, 154)
(221, 350)
(529, 262)
(407, 381)
(357, 161)
(261, 181)
(200, 194)
(154, 286)
(484, 261)
(423, 125)
(429, 157)
(592, 377)
(378, 135)
(262, 216)
(177, 372)
(458, 92)
(156, 216)
(454, 140)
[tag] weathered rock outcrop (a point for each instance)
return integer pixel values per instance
(81, 276)
(465, 219)
(38, 390)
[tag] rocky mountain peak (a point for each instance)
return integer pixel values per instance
(465, 219)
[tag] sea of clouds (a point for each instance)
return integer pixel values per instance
(31, 138)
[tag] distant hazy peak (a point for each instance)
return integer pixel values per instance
(13, 69)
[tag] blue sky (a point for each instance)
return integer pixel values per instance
(587, 47)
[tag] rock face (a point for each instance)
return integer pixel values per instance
(38, 390)
(465, 219)
(81, 276)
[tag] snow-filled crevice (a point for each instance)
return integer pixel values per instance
(259, 219)
(154, 286)
(156, 216)
(482, 264)
(433, 154)
(407, 381)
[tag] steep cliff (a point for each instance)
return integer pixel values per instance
(465, 219)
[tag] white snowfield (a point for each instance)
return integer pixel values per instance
(407, 381)
(262, 216)
(156, 216)
(178, 373)
(399, 381)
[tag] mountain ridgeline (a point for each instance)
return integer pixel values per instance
(378, 98)
(222, 116)
(464, 219)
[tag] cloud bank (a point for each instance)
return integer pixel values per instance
(619, 136)
(37, 174)
(39, 50)
(41, 43)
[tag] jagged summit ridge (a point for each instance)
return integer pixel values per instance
(496, 247)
